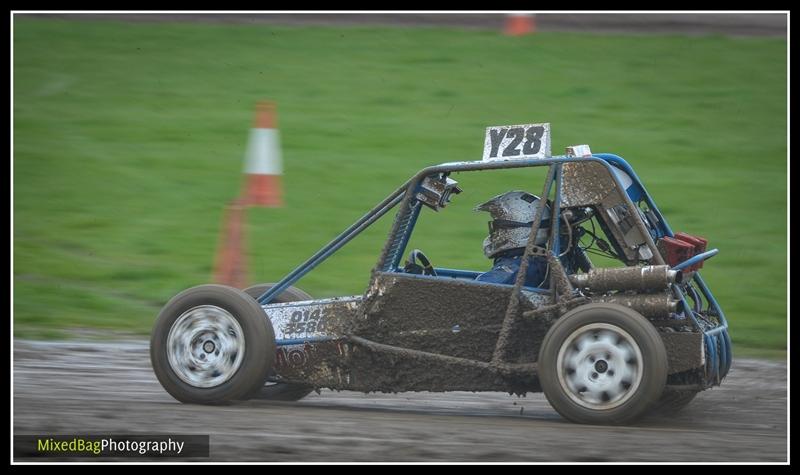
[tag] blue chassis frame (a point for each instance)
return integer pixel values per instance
(718, 344)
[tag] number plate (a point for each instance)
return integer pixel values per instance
(513, 142)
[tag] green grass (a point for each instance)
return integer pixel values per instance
(129, 138)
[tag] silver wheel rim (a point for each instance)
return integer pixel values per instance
(205, 346)
(599, 366)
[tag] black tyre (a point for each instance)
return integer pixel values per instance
(602, 364)
(281, 391)
(212, 344)
(672, 402)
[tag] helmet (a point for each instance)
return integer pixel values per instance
(512, 218)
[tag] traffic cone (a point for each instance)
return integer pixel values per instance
(230, 267)
(263, 167)
(518, 24)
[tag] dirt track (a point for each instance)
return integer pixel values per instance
(91, 387)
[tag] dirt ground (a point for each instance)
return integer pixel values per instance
(735, 24)
(109, 387)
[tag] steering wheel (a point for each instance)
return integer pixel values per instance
(424, 267)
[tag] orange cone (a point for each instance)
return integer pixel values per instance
(518, 24)
(230, 267)
(263, 166)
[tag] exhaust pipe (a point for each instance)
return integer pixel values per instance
(627, 278)
(649, 305)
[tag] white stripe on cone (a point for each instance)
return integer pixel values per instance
(263, 153)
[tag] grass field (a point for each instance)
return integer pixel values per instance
(129, 138)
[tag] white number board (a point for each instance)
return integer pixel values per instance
(509, 142)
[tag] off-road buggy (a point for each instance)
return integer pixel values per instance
(605, 344)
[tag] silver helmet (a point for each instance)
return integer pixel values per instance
(512, 217)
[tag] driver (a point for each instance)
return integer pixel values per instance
(512, 217)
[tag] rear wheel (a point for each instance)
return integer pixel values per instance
(602, 364)
(211, 344)
(673, 401)
(281, 391)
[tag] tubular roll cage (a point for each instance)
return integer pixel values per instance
(410, 207)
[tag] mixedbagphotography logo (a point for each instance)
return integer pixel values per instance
(111, 445)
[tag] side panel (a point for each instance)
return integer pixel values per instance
(445, 316)
(312, 320)
(337, 364)
(437, 315)
(308, 335)
(318, 364)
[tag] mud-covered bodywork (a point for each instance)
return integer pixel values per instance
(451, 332)
(309, 338)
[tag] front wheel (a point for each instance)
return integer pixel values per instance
(602, 364)
(212, 344)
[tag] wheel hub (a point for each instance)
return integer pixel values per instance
(599, 366)
(205, 346)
